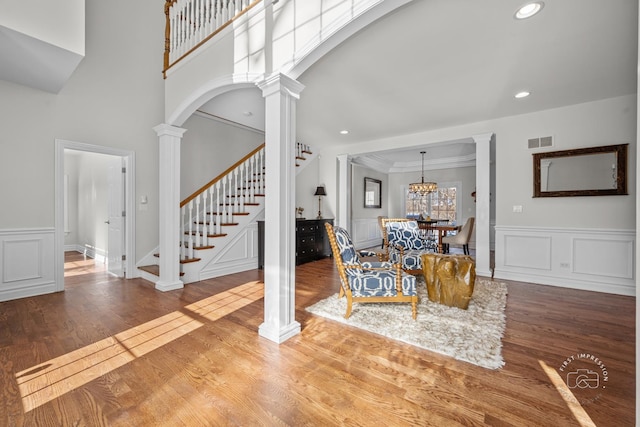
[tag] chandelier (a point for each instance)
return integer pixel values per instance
(420, 189)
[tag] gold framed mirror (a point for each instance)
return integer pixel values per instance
(592, 171)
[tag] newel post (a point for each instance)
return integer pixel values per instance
(281, 94)
(169, 206)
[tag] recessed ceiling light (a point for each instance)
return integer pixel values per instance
(522, 94)
(344, 132)
(529, 9)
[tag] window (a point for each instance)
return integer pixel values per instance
(441, 204)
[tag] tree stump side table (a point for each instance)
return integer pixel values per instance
(450, 278)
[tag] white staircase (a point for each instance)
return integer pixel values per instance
(218, 222)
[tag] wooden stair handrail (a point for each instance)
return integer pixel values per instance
(222, 175)
(167, 34)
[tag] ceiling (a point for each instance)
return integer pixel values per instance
(35, 63)
(428, 65)
(439, 63)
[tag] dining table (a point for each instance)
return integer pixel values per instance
(442, 230)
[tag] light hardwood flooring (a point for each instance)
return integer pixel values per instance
(117, 352)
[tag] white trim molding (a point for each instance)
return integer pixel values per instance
(601, 260)
(366, 233)
(27, 263)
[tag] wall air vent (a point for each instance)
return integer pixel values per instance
(544, 141)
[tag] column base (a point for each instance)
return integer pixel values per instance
(169, 286)
(276, 335)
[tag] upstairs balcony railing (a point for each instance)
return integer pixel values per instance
(191, 23)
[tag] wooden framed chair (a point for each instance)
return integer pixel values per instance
(365, 282)
(380, 218)
(405, 243)
(462, 237)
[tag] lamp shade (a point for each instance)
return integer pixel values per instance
(320, 191)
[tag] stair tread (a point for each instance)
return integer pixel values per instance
(153, 269)
(235, 213)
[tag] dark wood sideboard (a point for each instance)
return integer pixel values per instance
(311, 241)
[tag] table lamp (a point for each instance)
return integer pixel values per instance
(320, 192)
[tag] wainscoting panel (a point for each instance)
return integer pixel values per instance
(26, 263)
(604, 256)
(537, 255)
(366, 233)
(240, 255)
(591, 259)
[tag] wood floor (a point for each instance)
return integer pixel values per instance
(118, 352)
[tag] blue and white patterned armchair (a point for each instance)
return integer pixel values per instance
(406, 243)
(369, 281)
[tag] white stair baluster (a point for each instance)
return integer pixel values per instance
(192, 25)
(223, 201)
(236, 200)
(218, 14)
(254, 177)
(200, 20)
(205, 224)
(218, 211)
(212, 223)
(261, 183)
(243, 186)
(190, 240)
(225, 11)
(197, 223)
(207, 17)
(183, 212)
(229, 199)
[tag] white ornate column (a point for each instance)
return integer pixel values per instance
(169, 206)
(343, 218)
(483, 204)
(280, 93)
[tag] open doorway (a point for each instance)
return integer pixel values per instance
(94, 207)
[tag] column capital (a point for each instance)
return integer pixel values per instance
(483, 137)
(164, 129)
(278, 82)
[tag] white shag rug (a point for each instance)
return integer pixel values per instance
(473, 335)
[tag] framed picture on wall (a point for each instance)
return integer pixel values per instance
(372, 193)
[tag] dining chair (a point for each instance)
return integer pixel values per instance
(462, 237)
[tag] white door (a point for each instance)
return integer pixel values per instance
(115, 221)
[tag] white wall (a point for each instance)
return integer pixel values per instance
(61, 23)
(307, 180)
(358, 211)
(606, 122)
(208, 148)
(114, 98)
(609, 121)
